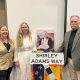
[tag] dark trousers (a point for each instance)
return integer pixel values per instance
(5, 74)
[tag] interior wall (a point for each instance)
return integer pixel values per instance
(39, 14)
(2, 13)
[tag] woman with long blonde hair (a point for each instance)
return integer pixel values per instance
(6, 53)
(24, 47)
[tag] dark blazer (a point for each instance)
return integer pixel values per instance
(75, 52)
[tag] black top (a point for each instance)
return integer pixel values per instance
(70, 43)
(50, 43)
(7, 45)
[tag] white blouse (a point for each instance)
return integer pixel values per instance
(27, 43)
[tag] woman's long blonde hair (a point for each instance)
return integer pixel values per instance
(8, 37)
(20, 35)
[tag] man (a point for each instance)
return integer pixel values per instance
(71, 48)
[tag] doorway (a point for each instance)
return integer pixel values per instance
(3, 14)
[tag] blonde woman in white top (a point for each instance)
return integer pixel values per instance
(22, 56)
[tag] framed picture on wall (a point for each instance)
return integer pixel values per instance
(45, 40)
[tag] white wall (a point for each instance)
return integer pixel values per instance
(73, 8)
(39, 14)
